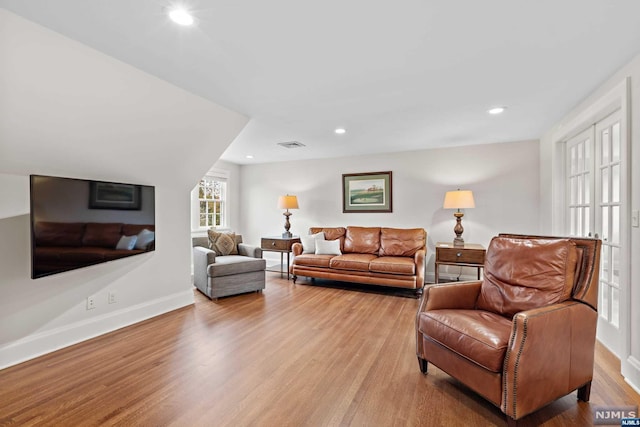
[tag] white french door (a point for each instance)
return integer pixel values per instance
(596, 207)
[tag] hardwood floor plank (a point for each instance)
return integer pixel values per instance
(294, 355)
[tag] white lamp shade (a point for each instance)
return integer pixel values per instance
(287, 202)
(459, 199)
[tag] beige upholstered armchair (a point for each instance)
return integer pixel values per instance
(524, 336)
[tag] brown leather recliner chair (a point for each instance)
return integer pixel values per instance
(525, 335)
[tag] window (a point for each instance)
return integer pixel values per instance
(209, 203)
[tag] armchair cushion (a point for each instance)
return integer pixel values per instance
(521, 274)
(479, 336)
(235, 264)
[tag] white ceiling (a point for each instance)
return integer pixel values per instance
(398, 75)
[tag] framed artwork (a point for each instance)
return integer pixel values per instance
(109, 195)
(366, 192)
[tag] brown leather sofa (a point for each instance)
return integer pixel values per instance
(370, 255)
(524, 336)
(61, 246)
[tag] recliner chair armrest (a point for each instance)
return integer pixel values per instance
(550, 354)
(249, 250)
(460, 295)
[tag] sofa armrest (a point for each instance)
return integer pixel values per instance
(249, 250)
(296, 249)
(550, 354)
(202, 257)
(419, 260)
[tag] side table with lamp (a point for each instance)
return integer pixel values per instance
(282, 244)
(459, 253)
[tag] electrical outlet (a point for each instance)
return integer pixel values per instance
(112, 297)
(635, 218)
(91, 303)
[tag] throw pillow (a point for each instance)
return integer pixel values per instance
(144, 238)
(328, 247)
(234, 250)
(309, 242)
(127, 243)
(222, 243)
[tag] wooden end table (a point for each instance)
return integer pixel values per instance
(471, 255)
(279, 244)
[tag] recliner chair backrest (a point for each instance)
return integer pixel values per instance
(585, 288)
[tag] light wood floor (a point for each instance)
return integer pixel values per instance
(295, 355)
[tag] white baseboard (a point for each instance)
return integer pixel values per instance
(631, 372)
(42, 343)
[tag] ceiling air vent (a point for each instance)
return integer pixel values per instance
(291, 144)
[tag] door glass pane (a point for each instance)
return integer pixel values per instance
(604, 263)
(587, 155)
(615, 307)
(580, 157)
(586, 222)
(615, 265)
(605, 223)
(615, 142)
(615, 225)
(572, 220)
(587, 189)
(615, 183)
(574, 159)
(605, 147)
(580, 188)
(603, 307)
(578, 221)
(574, 190)
(605, 185)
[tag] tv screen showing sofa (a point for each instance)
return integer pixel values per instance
(76, 223)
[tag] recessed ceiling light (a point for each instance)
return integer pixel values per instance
(181, 17)
(340, 131)
(496, 110)
(249, 156)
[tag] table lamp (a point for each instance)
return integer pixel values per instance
(459, 199)
(287, 202)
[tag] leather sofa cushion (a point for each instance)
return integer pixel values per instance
(479, 336)
(134, 229)
(331, 233)
(522, 274)
(362, 240)
(359, 262)
(59, 233)
(401, 242)
(393, 265)
(100, 234)
(312, 260)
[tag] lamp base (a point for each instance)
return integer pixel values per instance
(458, 242)
(287, 235)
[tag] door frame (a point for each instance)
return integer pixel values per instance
(618, 98)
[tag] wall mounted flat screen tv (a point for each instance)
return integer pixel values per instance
(76, 223)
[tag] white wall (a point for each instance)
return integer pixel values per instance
(68, 110)
(551, 197)
(503, 177)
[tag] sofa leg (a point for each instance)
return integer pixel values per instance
(294, 278)
(584, 392)
(424, 365)
(511, 422)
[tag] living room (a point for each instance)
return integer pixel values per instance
(70, 110)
